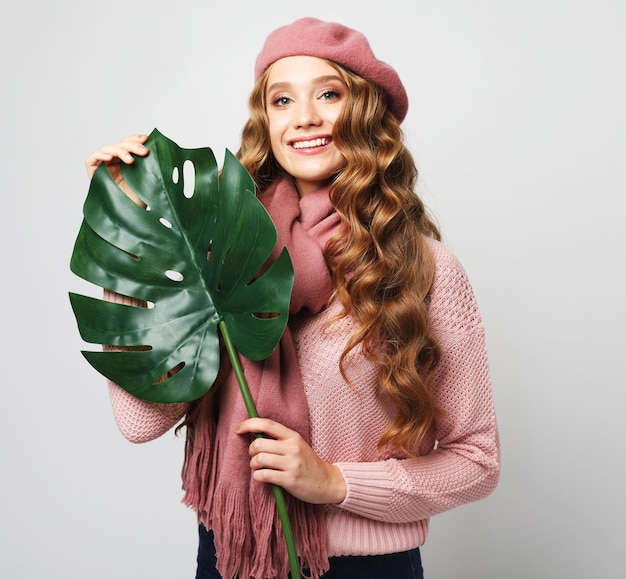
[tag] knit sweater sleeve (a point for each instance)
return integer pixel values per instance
(140, 420)
(462, 464)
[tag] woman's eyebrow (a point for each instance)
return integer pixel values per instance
(318, 80)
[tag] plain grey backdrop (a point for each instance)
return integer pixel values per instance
(517, 123)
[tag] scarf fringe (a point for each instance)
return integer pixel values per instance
(224, 508)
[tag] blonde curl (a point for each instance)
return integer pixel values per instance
(381, 263)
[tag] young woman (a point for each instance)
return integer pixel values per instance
(377, 406)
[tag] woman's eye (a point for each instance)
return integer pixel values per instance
(281, 101)
(330, 95)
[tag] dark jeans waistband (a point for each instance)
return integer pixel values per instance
(404, 565)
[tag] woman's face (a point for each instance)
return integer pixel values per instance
(304, 97)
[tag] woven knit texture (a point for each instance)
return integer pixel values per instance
(390, 498)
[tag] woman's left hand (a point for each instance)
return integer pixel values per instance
(286, 460)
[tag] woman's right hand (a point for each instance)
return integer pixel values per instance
(114, 155)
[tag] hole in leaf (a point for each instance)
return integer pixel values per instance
(112, 348)
(208, 250)
(226, 255)
(174, 275)
(266, 315)
(189, 179)
(149, 305)
(135, 257)
(175, 370)
(175, 175)
(165, 222)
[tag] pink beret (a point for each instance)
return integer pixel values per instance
(332, 41)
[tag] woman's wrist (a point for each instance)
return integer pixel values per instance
(338, 485)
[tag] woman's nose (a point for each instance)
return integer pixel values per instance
(306, 114)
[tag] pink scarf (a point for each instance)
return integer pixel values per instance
(216, 474)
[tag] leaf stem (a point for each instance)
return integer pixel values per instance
(279, 497)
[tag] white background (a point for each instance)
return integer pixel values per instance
(518, 126)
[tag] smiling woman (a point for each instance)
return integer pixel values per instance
(304, 97)
(377, 408)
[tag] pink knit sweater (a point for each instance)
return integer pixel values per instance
(390, 499)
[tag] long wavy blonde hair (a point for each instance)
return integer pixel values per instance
(381, 264)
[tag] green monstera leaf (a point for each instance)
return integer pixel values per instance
(193, 256)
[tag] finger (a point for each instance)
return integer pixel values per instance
(138, 137)
(265, 426)
(134, 144)
(266, 445)
(268, 460)
(93, 161)
(98, 156)
(133, 140)
(272, 476)
(123, 150)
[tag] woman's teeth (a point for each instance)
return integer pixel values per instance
(310, 144)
